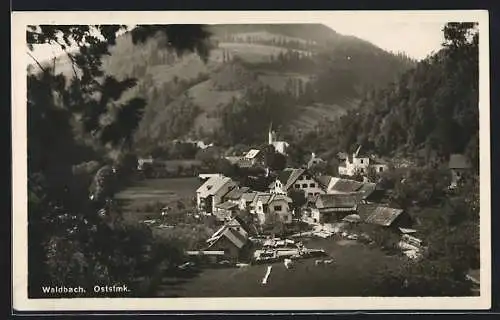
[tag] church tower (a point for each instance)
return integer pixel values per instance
(270, 134)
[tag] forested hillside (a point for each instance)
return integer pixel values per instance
(431, 110)
(306, 73)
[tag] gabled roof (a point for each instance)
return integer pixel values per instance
(226, 205)
(280, 197)
(262, 197)
(324, 180)
(236, 193)
(212, 185)
(376, 160)
(383, 216)
(366, 209)
(249, 196)
(324, 201)
(252, 153)
(238, 222)
(367, 189)
(289, 176)
(346, 185)
(284, 175)
(458, 161)
(235, 237)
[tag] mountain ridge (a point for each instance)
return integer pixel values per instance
(311, 60)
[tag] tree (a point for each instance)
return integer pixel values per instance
(72, 240)
(298, 200)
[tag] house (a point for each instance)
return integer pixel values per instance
(229, 238)
(205, 176)
(333, 207)
(458, 165)
(279, 146)
(389, 217)
(253, 157)
(299, 179)
(246, 200)
(326, 181)
(344, 186)
(314, 160)
(210, 193)
(141, 162)
(235, 194)
(360, 163)
(239, 225)
(266, 204)
(370, 192)
(225, 211)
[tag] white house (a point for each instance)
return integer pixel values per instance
(279, 146)
(299, 179)
(361, 164)
(210, 193)
(266, 204)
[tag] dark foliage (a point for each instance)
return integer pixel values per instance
(72, 240)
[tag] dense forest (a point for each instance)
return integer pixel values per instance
(430, 111)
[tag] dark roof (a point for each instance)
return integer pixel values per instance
(238, 220)
(383, 216)
(458, 161)
(284, 175)
(366, 209)
(236, 193)
(376, 160)
(249, 196)
(336, 201)
(367, 189)
(289, 176)
(345, 185)
(324, 180)
(226, 205)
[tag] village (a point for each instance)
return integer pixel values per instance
(275, 223)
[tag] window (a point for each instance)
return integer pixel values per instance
(304, 185)
(277, 208)
(361, 161)
(380, 169)
(297, 185)
(312, 185)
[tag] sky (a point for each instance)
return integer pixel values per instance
(415, 38)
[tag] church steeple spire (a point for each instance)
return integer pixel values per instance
(270, 134)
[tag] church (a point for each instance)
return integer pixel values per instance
(279, 146)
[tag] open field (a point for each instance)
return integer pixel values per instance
(350, 275)
(150, 191)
